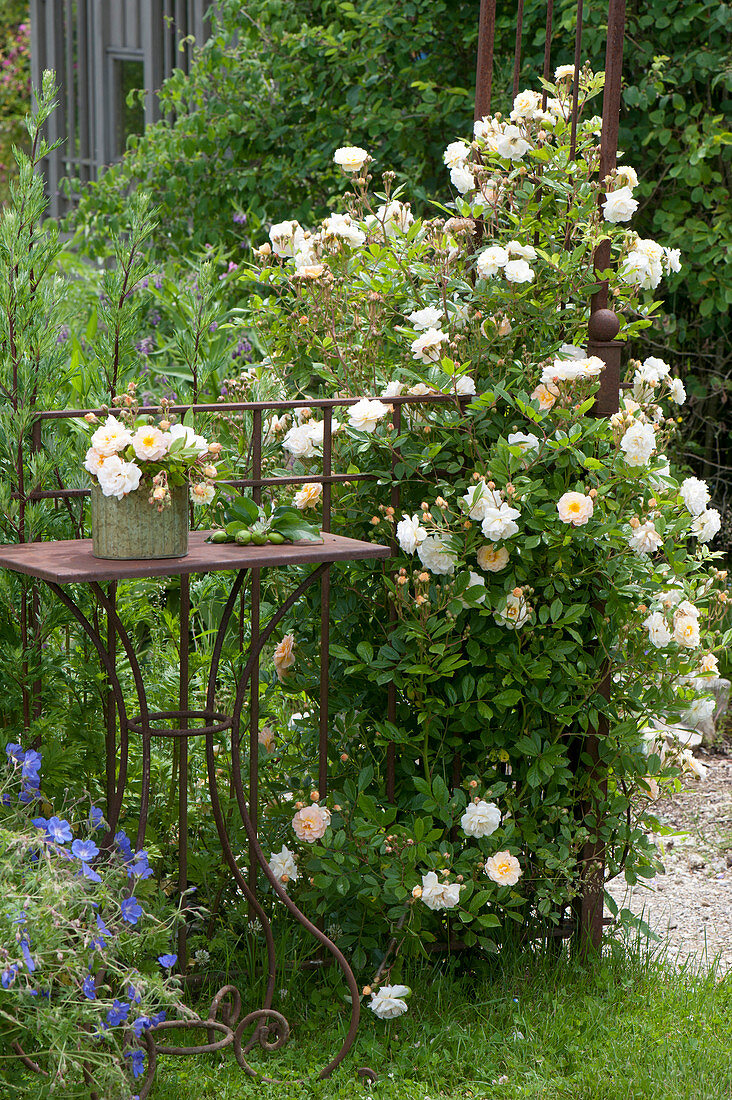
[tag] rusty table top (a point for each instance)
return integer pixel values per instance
(72, 561)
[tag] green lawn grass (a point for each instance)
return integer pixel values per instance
(628, 1027)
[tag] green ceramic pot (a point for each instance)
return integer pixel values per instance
(132, 528)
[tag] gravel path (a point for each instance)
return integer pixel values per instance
(690, 906)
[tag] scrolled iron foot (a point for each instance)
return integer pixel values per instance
(367, 1074)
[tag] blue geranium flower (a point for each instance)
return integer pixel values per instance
(158, 1018)
(134, 996)
(96, 818)
(89, 987)
(118, 1013)
(16, 753)
(8, 976)
(137, 1059)
(167, 961)
(40, 823)
(27, 956)
(141, 867)
(123, 843)
(100, 941)
(85, 850)
(31, 764)
(131, 910)
(142, 1023)
(58, 830)
(89, 872)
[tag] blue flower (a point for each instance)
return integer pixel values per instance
(96, 818)
(118, 1013)
(142, 1023)
(89, 987)
(100, 941)
(59, 830)
(31, 764)
(85, 850)
(123, 843)
(16, 753)
(89, 872)
(40, 823)
(137, 1058)
(8, 976)
(141, 867)
(131, 910)
(134, 996)
(27, 956)
(167, 961)
(158, 1018)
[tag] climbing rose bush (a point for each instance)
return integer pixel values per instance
(539, 552)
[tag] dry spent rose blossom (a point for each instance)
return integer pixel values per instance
(284, 656)
(492, 558)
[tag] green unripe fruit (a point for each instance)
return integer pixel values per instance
(259, 538)
(219, 536)
(243, 538)
(276, 538)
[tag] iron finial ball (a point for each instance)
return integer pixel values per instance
(603, 326)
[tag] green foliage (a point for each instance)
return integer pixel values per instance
(14, 84)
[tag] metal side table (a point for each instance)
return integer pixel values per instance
(60, 564)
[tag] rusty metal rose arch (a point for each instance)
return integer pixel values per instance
(603, 327)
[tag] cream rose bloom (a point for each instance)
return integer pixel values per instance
(709, 665)
(499, 522)
(706, 525)
(479, 498)
(435, 556)
(686, 630)
(111, 438)
(283, 866)
(439, 895)
(518, 271)
(310, 823)
(695, 494)
(395, 217)
(480, 819)
(503, 868)
(456, 154)
(284, 656)
(94, 460)
(526, 105)
(672, 259)
(201, 493)
(429, 317)
(523, 251)
(639, 443)
(462, 179)
(388, 1001)
(645, 538)
(513, 614)
(546, 395)
(627, 176)
(638, 270)
(619, 206)
(426, 348)
(286, 238)
(308, 495)
(266, 738)
(511, 144)
(575, 508)
(410, 533)
(491, 558)
(366, 414)
(150, 444)
(464, 386)
(342, 227)
(299, 441)
(393, 389)
(191, 441)
(117, 478)
(475, 581)
(491, 261)
(351, 158)
(658, 631)
(527, 441)
(676, 391)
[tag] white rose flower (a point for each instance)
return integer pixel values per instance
(676, 391)
(619, 206)
(527, 441)
(518, 271)
(546, 395)
(686, 630)
(475, 581)
(686, 608)
(706, 525)
(491, 260)
(653, 370)
(201, 493)
(436, 556)
(117, 478)
(709, 665)
(350, 158)
(308, 495)
(283, 866)
(513, 614)
(396, 217)
(572, 370)
(639, 443)
(638, 270)
(366, 414)
(503, 868)
(645, 539)
(511, 144)
(526, 105)
(695, 494)
(150, 444)
(627, 175)
(575, 508)
(286, 238)
(571, 351)
(429, 317)
(650, 249)
(94, 460)
(388, 1001)
(191, 441)
(456, 154)
(341, 226)
(393, 389)
(479, 498)
(488, 130)
(410, 533)
(464, 385)
(672, 259)
(658, 631)
(111, 438)
(462, 179)
(426, 348)
(439, 895)
(523, 251)
(689, 763)
(299, 441)
(492, 558)
(306, 254)
(498, 522)
(480, 819)
(459, 312)
(563, 71)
